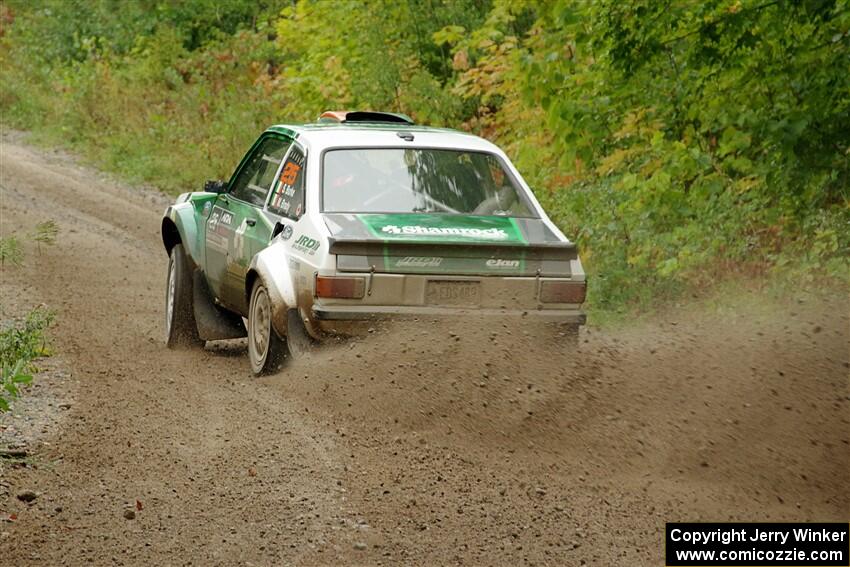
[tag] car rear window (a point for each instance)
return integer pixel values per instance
(420, 180)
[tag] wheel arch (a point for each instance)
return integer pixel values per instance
(179, 226)
(250, 278)
(170, 234)
(271, 265)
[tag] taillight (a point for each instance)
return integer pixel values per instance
(562, 292)
(340, 287)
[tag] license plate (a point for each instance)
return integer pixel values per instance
(441, 292)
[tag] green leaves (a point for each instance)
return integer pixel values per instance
(10, 251)
(713, 122)
(732, 141)
(19, 345)
(450, 35)
(11, 377)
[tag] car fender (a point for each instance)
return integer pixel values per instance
(272, 266)
(180, 224)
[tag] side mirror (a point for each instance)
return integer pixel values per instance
(215, 186)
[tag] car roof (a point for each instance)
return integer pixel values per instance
(321, 136)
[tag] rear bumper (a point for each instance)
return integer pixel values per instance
(376, 312)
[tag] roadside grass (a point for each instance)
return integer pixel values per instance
(735, 286)
(24, 340)
(11, 253)
(17, 457)
(142, 120)
(21, 343)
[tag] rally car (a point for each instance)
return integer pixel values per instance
(360, 216)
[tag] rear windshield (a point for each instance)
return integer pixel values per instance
(410, 180)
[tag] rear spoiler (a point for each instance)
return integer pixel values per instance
(371, 247)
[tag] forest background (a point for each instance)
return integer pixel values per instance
(684, 144)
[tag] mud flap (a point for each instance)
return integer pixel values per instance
(214, 323)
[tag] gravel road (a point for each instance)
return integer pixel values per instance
(425, 444)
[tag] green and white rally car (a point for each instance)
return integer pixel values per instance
(361, 216)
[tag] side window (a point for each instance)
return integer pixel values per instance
(254, 181)
(288, 197)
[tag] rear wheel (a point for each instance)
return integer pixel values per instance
(265, 348)
(298, 340)
(180, 327)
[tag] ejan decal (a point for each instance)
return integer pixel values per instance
(306, 244)
(286, 233)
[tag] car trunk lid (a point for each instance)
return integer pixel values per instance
(447, 244)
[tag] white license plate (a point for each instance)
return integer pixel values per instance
(442, 292)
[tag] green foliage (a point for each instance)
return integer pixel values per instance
(46, 232)
(680, 143)
(10, 251)
(386, 57)
(151, 109)
(80, 29)
(695, 139)
(20, 345)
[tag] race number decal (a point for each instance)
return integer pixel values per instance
(288, 196)
(290, 173)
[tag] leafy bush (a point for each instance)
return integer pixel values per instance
(20, 345)
(706, 138)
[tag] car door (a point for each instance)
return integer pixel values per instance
(236, 223)
(287, 206)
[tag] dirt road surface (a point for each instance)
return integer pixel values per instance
(432, 444)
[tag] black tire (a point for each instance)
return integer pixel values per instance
(265, 348)
(180, 327)
(298, 341)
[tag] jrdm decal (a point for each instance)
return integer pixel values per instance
(306, 244)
